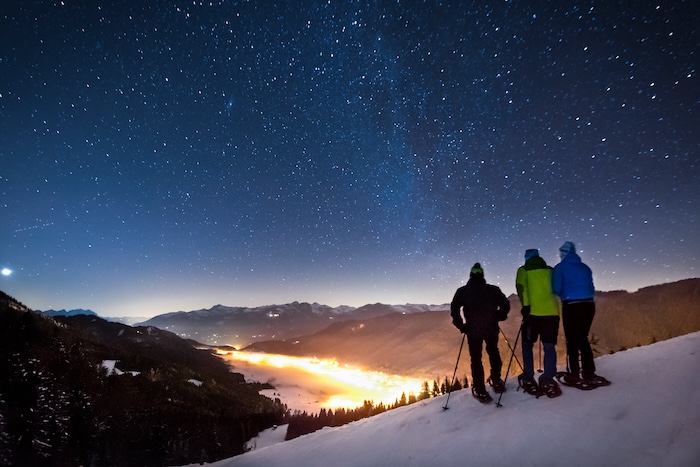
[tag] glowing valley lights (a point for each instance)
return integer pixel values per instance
(352, 386)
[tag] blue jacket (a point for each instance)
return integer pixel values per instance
(572, 280)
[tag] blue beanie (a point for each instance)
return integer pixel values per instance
(566, 248)
(531, 252)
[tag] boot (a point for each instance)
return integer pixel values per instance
(529, 385)
(481, 395)
(497, 384)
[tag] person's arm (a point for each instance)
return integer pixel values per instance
(592, 287)
(503, 306)
(557, 280)
(521, 286)
(455, 311)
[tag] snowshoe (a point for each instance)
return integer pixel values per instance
(572, 380)
(529, 385)
(595, 380)
(550, 388)
(498, 385)
(482, 396)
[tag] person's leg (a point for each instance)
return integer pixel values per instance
(494, 358)
(569, 321)
(477, 367)
(587, 313)
(550, 361)
(528, 359)
(549, 332)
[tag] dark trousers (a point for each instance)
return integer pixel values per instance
(577, 318)
(475, 347)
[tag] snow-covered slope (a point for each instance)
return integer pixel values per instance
(649, 416)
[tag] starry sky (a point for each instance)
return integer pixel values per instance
(173, 155)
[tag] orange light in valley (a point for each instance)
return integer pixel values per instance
(342, 385)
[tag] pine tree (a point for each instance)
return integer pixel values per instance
(425, 392)
(403, 400)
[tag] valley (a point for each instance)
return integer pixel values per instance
(311, 384)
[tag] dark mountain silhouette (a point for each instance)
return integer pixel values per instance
(239, 326)
(425, 344)
(79, 311)
(651, 314)
(175, 403)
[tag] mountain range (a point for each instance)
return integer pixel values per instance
(79, 311)
(241, 326)
(419, 340)
(76, 312)
(173, 401)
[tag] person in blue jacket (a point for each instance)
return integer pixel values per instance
(572, 282)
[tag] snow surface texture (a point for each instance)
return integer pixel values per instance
(649, 416)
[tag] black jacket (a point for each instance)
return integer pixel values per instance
(484, 306)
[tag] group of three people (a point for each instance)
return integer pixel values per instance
(477, 308)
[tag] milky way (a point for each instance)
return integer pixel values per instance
(163, 156)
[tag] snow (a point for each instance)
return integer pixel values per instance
(110, 366)
(267, 438)
(649, 416)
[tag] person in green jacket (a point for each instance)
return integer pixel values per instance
(540, 311)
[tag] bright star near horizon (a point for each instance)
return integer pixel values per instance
(6, 272)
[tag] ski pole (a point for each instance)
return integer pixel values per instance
(539, 370)
(455, 373)
(517, 338)
(517, 360)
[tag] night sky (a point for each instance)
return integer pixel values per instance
(164, 156)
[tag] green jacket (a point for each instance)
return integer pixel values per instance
(534, 285)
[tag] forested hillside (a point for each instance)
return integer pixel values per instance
(169, 404)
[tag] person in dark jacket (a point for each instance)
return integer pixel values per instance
(572, 281)
(476, 310)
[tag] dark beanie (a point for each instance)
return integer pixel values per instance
(531, 252)
(476, 269)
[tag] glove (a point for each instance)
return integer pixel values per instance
(525, 311)
(458, 324)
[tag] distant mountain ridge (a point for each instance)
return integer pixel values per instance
(75, 312)
(426, 344)
(79, 311)
(240, 326)
(623, 320)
